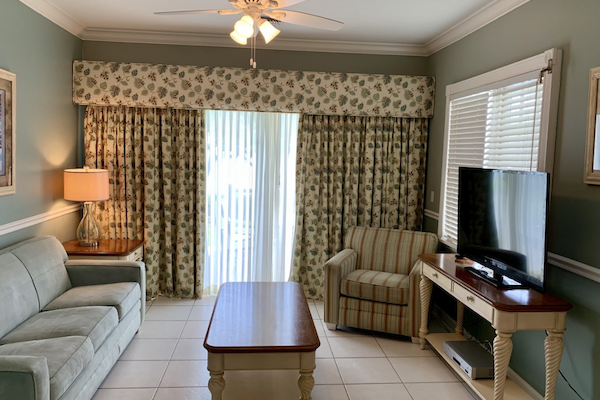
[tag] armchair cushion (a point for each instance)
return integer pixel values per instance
(383, 287)
(123, 296)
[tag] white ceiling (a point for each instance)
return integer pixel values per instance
(405, 27)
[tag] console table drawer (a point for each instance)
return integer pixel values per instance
(473, 302)
(437, 278)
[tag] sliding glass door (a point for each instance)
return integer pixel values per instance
(250, 192)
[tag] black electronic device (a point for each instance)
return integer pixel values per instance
(502, 225)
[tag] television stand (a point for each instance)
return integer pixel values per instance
(507, 311)
(493, 278)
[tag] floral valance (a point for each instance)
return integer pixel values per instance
(178, 86)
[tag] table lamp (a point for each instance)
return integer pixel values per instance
(88, 186)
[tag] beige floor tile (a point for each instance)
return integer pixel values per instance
(324, 350)
(185, 374)
(327, 372)
(149, 349)
(422, 369)
(160, 330)
(190, 349)
(329, 392)
(201, 313)
(343, 331)
(171, 301)
(195, 393)
(438, 391)
(195, 330)
(168, 313)
(124, 394)
(261, 385)
(395, 391)
(367, 370)
(320, 309)
(403, 348)
(319, 328)
(355, 347)
(313, 312)
(135, 374)
(206, 300)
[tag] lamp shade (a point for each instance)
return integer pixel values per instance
(84, 184)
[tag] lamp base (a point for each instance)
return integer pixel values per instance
(88, 231)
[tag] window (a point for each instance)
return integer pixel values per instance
(505, 119)
(250, 196)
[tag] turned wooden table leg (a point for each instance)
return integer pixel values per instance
(553, 347)
(502, 351)
(306, 382)
(460, 317)
(216, 383)
(426, 286)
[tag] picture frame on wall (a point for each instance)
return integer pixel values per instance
(591, 174)
(8, 119)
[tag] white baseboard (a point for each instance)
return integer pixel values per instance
(38, 219)
(511, 373)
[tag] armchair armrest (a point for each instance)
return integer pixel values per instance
(24, 378)
(336, 268)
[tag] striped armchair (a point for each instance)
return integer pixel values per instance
(372, 283)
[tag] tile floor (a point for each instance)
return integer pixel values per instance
(166, 361)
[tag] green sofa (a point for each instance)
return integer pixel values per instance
(63, 324)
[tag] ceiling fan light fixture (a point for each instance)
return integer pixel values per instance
(244, 27)
(268, 31)
(239, 39)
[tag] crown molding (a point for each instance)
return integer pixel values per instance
(472, 23)
(49, 11)
(481, 18)
(196, 39)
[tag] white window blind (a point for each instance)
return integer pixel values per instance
(496, 126)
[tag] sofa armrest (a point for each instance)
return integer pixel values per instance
(336, 268)
(24, 378)
(100, 272)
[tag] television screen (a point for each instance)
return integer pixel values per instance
(502, 219)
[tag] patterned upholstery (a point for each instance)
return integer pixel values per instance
(372, 283)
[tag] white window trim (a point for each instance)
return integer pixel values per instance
(549, 116)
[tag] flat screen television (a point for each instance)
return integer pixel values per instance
(502, 225)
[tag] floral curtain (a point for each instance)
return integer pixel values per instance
(156, 161)
(354, 171)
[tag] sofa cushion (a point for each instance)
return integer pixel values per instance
(376, 286)
(66, 356)
(45, 260)
(94, 322)
(18, 298)
(123, 296)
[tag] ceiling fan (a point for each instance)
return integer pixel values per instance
(258, 16)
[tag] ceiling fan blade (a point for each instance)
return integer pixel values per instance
(286, 3)
(304, 19)
(222, 12)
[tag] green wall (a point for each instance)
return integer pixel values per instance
(574, 216)
(266, 59)
(40, 53)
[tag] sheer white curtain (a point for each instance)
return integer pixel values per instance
(250, 196)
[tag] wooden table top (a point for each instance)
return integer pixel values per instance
(106, 247)
(261, 317)
(510, 300)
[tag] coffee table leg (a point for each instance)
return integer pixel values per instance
(306, 382)
(216, 384)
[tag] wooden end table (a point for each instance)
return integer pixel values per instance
(261, 326)
(107, 249)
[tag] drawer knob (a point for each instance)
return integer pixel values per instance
(470, 299)
(435, 275)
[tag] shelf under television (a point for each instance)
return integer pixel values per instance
(482, 387)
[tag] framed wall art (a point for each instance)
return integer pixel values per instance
(8, 119)
(592, 143)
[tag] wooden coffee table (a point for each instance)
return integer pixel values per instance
(261, 326)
